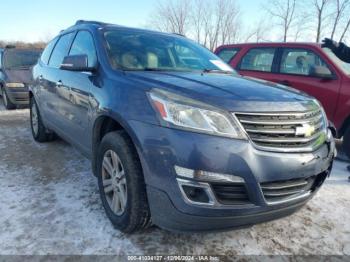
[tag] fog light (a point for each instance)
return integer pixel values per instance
(196, 194)
(207, 176)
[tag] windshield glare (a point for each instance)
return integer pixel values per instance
(342, 65)
(139, 50)
(20, 58)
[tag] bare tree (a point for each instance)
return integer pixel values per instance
(198, 20)
(345, 31)
(215, 22)
(341, 8)
(172, 16)
(258, 32)
(320, 7)
(302, 26)
(284, 13)
(230, 21)
(209, 22)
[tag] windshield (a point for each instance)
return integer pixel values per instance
(20, 59)
(342, 65)
(141, 50)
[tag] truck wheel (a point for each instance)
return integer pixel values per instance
(39, 131)
(346, 142)
(121, 183)
(7, 103)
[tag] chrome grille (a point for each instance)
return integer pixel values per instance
(288, 189)
(285, 132)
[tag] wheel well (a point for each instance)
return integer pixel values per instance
(344, 127)
(103, 126)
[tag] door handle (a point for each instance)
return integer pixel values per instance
(285, 82)
(59, 83)
(40, 77)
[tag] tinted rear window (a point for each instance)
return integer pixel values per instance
(47, 51)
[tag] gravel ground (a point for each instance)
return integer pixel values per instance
(49, 204)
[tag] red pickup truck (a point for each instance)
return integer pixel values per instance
(304, 66)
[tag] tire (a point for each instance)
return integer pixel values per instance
(39, 132)
(7, 103)
(346, 142)
(132, 214)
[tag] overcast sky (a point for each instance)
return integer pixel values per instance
(37, 20)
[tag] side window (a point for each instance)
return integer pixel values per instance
(300, 62)
(45, 56)
(227, 54)
(60, 50)
(258, 59)
(84, 45)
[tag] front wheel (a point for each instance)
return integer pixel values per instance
(121, 184)
(346, 142)
(39, 131)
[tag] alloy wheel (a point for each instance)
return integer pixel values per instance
(114, 182)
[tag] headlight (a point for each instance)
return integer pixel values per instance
(181, 112)
(14, 85)
(325, 119)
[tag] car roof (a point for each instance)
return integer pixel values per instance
(272, 44)
(81, 24)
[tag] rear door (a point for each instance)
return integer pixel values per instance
(40, 74)
(51, 92)
(259, 62)
(295, 70)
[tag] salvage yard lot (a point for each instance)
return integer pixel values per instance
(49, 204)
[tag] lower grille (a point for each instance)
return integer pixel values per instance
(22, 99)
(283, 190)
(285, 131)
(231, 194)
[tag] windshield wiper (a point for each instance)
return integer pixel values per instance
(226, 72)
(154, 69)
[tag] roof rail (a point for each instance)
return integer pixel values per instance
(179, 35)
(79, 22)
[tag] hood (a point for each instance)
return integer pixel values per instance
(231, 92)
(19, 75)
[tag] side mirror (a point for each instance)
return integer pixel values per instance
(76, 63)
(321, 72)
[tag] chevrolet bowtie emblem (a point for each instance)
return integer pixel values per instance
(305, 130)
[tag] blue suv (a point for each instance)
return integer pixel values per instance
(175, 136)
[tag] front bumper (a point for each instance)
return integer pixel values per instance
(161, 149)
(18, 96)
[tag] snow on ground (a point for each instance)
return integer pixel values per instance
(49, 204)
